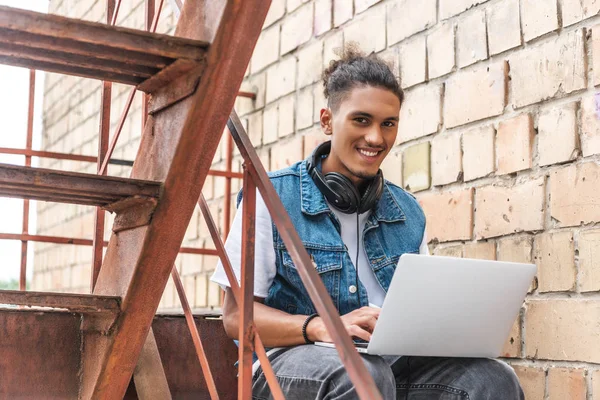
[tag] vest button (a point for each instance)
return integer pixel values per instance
(352, 289)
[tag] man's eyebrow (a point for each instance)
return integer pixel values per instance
(367, 115)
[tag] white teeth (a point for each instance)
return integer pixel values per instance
(368, 153)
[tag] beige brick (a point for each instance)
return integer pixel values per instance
(446, 158)
(589, 256)
(481, 250)
(590, 125)
(420, 114)
(310, 60)
(362, 5)
(267, 49)
(342, 11)
(192, 229)
(566, 383)
(538, 17)
(201, 296)
(407, 17)
(361, 31)
(514, 144)
(294, 4)
(214, 293)
(563, 329)
(478, 152)
(574, 11)
(450, 8)
(391, 167)
(413, 61)
(276, 11)
(503, 26)
(312, 138)
(557, 125)
(319, 102)
(255, 128)
(323, 17)
(596, 55)
(533, 381)
(287, 152)
(440, 50)
(574, 195)
(294, 31)
(596, 384)
(449, 215)
(270, 123)
(512, 346)
(484, 88)
(554, 256)
(554, 68)
(471, 41)
(332, 44)
(209, 263)
(502, 211)
(169, 295)
(304, 112)
(415, 167)
(449, 251)
(281, 79)
(189, 284)
(287, 106)
(515, 249)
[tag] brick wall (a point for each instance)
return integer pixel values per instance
(499, 139)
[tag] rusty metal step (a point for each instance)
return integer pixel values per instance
(93, 50)
(78, 303)
(73, 187)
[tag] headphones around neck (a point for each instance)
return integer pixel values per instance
(339, 190)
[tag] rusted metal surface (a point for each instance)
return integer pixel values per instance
(365, 386)
(250, 95)
(71, 187)
(60, 156)
(89, 242)
(104, 130)
(235, 288)
(168, 74)
(246, 304)
(181, 365)
(149, 375)
(75, 47)
(80, 303)
(178, 146)
(40, 355)
(149, 11)
(119, 128)
(189, 318)
(28, 144)
(228, 166)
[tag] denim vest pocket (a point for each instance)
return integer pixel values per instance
(328, 265)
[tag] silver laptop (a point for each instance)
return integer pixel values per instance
(449, 307)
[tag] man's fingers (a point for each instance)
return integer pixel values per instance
(357, 331)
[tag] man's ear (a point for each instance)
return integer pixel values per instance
(326, 119)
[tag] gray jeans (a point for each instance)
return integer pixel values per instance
(312, 372)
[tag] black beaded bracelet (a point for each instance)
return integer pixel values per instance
(305, 325)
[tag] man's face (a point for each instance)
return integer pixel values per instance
(363, 130)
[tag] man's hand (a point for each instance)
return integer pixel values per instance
(358, 323)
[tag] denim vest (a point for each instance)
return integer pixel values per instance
(395, 226)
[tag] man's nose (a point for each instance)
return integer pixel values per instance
(375, 137)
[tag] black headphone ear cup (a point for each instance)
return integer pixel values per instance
(349, 197)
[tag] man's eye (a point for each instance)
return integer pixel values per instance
(389, 124)
(361, 120)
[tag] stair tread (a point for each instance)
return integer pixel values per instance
(80, 303)
(73, 187)
(93, 50)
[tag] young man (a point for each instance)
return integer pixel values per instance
(355, 226)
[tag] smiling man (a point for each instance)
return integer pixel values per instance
(355, 225)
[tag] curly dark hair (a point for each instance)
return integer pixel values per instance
(353, 69)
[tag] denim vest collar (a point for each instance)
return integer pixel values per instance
(313, 202)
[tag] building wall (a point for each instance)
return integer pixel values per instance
(499, 139)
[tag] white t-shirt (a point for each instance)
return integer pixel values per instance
(264, 254)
